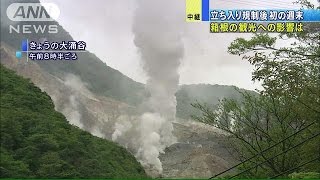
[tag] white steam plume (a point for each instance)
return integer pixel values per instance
(157, 37)
(71, 109)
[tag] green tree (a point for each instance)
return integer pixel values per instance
(289, 102)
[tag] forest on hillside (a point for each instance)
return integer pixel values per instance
(38, 142)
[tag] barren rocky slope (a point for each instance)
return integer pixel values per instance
(200, 151)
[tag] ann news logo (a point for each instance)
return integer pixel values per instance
(30, 13)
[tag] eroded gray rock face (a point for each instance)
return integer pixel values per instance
(200, 152)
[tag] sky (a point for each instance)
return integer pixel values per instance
(106, 26)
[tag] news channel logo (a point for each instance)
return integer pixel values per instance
(30, 13)
(33, 12)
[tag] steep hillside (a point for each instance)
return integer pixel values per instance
(37, 141)
(71, 96)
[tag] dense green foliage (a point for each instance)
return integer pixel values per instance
(258, 123)
(37, 141)
(280, 128)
